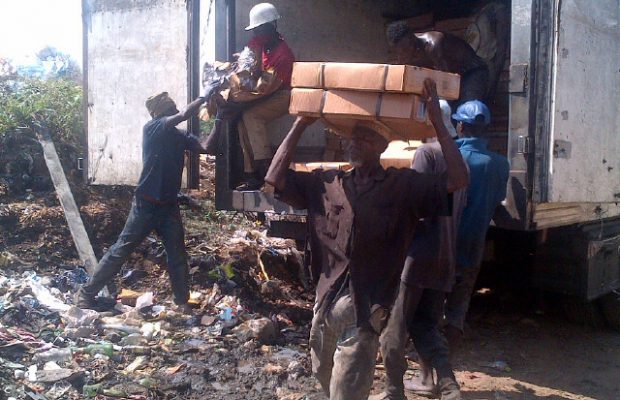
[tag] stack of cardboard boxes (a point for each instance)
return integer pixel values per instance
(381, 96)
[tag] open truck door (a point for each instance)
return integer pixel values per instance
(131, 51)
(585, 128)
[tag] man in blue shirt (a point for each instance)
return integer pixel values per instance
(488, 173)
(155, 204)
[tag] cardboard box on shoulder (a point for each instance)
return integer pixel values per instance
(373, 77)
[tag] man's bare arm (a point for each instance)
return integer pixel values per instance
(191, 110)
(458, 178)
(276, 176)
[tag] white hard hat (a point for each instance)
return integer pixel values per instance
(261, 14)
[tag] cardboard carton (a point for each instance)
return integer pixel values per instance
(396, 116)
(373, 77)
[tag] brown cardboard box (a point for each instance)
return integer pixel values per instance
(397, 116)
(373, 77)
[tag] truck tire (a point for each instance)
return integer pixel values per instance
(610, 305)
(585, 313)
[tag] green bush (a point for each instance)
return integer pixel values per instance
(55, 102)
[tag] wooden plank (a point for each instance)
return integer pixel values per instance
(63, 191)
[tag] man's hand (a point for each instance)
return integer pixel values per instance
(210, 90)
(305, 121)
(429, 94)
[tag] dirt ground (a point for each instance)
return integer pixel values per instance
(510, 350)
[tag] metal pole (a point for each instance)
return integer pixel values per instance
(193, 85)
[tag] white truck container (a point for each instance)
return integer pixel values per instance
(555, 108)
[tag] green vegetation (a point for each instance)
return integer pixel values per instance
(57, 102)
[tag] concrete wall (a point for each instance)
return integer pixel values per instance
(135, 49)
(323, 30)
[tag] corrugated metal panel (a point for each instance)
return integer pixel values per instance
(135, 49)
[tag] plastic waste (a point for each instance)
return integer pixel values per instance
(147, 383)
(145, 300)
(92, 349)
(228, 316)
(121, 327)
(92, 390)
(498, 365)
(75, 317)
(141, 350)
(150, 329)
(46, 297)
(57, 355)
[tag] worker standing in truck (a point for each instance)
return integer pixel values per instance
(275, 55)
(361, 223)
(155, 204)
(488, 176)
(441, 51)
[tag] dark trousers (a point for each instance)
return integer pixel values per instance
(145, 217)
(417, 312)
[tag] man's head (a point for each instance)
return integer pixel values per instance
(472, 118)
(405, 46)
(366, 146)
(260, 15)
(161, 105)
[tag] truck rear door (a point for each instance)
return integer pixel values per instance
(584, 166)
(133, 50)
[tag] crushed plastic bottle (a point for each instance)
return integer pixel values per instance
(57, 355)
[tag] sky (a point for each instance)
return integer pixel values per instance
(27, 26)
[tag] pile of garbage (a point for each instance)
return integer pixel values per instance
(245, 338)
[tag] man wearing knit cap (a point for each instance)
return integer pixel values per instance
(155, 204)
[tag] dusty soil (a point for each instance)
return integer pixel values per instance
(510, 351)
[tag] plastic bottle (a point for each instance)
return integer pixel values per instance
(105, 349)
(56, 355)
(91, 390)
(140, 350)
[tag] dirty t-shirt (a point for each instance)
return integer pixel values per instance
(163, 157)
(280, 59)
(362, 237)
(433, 249)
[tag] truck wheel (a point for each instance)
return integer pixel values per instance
(583, 313)
(610, 305)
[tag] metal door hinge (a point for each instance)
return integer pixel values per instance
(524, 145)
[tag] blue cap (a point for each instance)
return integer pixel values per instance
(468, 111)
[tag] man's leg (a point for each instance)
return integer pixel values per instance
(170, 228)
(355, 355)
(394, 338)
(322, 348)
(256, 119)
(457, 301)
(139, 223)
(248, 156)
(430, 343)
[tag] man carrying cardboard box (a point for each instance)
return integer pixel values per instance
(276, 56)
(441, 51)
(361, 223)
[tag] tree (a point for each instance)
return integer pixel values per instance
(59, 64)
